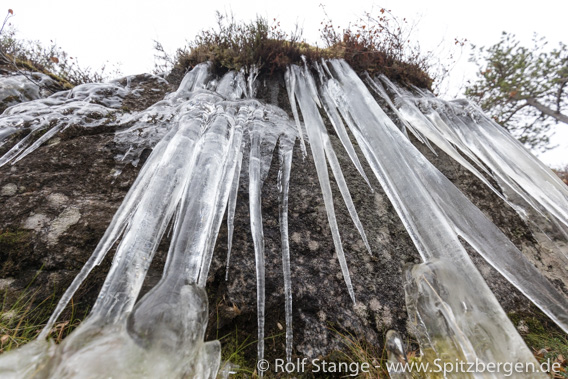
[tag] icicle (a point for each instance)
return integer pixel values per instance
(193, 169)
(251, 81)
(396, 355)
(20, 146)
(454, 321)
(285, 153)
(120, 221)
(231, 210)
(339, 127)
(444, 212)
(379, 89)
(410, 115)
(321, 133)
(291, 88)
(45, 137)
(232, 85)
(312, 120)
(531, 188)
(255, 186)
(148, 223)
(515, 165)
(229, 172)
(205, 194)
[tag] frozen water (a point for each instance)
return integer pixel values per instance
(396, 355)
(454, 320)
(432, 209)
(285, 153)
(199, 136)
(88, 105)
(24, 87)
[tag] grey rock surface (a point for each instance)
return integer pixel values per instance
(57, 202)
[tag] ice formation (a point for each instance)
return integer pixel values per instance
(24, 86)
(200, 135)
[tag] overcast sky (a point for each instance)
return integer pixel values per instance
(123, 31)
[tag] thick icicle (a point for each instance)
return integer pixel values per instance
(149, 222)
(285, 153)
(230, 171)
(205, 193)
(312, 120)
(445, 309)
(255, 189)
(119, 222)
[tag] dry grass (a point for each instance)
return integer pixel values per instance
(22, 320)
(379, 46)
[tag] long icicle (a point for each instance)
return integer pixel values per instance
(409, 114)
(336, 168)
(312, 118)
(255, 188)
(149, 222)
(230, 171)
(344, 189)
(285, 153)
(455, 215)
(231, 211)
(339, 127)
(290, 85)
(116, 227)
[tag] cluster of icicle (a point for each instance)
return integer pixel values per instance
(199, 135)
(455, 315)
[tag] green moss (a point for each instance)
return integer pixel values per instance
(12, 244)
(13, 239)
(546, 340)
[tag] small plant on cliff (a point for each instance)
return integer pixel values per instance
(374, 44)
(233, 45)
(380, 44)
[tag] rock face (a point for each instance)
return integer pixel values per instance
(58, 201)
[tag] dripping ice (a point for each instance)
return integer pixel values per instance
(199, 136)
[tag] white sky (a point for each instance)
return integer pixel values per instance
(123, 31)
